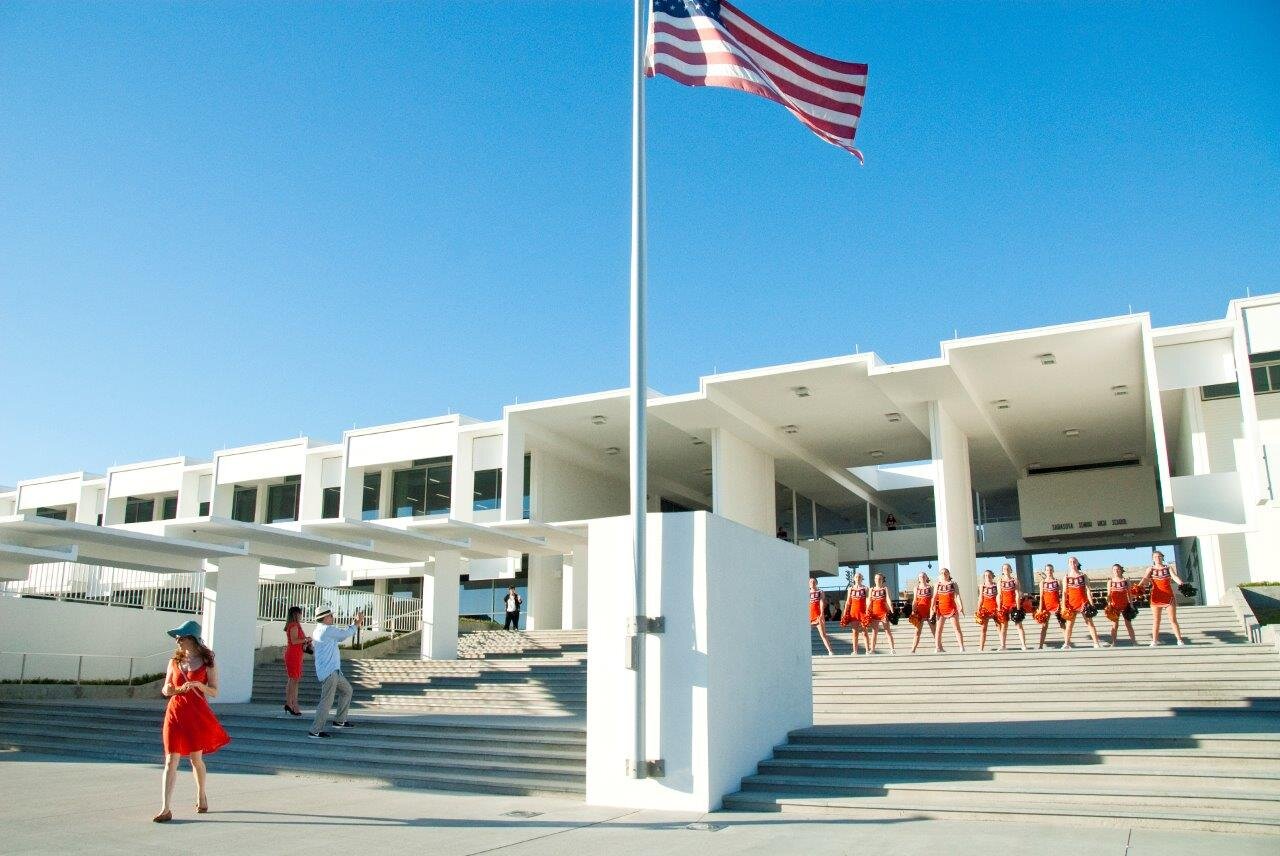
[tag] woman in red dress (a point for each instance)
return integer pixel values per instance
(295, 644)
(1010, 606)
(947, 604)
(1162, 578)
(855, 613)
(190, 728)
(1119, 592)
(817, 613)
(921, 607)
(1050, 601)
(1077, 603)
(988, 606)
(878, 607)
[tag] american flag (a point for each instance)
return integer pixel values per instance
(711, 43)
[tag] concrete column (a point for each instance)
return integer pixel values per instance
(379, 615)
(440, 607)
(890, 571)
(743, 482)
(1026, 573)
(512, 473)
(953, 503)
(546, 593)
(573, 609)
(230, 625)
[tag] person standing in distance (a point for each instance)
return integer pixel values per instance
(324, 640)
(512, 603)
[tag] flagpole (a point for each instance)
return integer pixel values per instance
(639, 449)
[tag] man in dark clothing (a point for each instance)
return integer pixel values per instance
(512, 604)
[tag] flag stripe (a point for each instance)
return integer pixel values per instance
(704, 43)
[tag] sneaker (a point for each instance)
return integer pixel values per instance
(1181, 643)
(346, 723)
(317, 735)
(1153, 644)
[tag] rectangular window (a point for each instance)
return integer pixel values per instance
(282, 503)
(204, 509)
(244, 504)
(488, 490)
(528, 480)
(52, 513)
(372, 492)
(426, 488)
(169, 508)
(138, 510)
(331, 505)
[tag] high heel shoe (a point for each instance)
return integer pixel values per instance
(163, 817)
(202, 809)
(292, 711)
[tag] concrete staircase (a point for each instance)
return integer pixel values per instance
(482, 754)
(509, 719)
(515, 674)
(1170, 737)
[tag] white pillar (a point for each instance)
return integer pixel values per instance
(890, 571)
(230, 625)
(953, 503)
(440, 607)
(718, 699)
(379, 615)
(573, 609)
(743, 486)
(1025, 572)
(545, 593)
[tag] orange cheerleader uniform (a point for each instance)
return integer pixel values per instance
(1117, 598)
(878, 605)
(988, 604)
(815, 607)
(1077, 595)
(1008, 600)
(946, 599)
(1050, 602)
(1161, 586)
(920, 605)
(855, 607)
(189, 723)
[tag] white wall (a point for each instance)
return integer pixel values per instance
(743, 486)
(564, 490)
(725, 685)
(953, 502)
(1098, 498)
(406, 442)
(1195, 364)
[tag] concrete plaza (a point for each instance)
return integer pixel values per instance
(59, 805)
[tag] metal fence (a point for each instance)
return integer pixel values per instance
(110, 586)
(382, 612)
(26, 667)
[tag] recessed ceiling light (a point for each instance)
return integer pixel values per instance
(893, 417)
(1120, 390)
(1130, 456)
(599, 420)
(1047, 359)
(699, 442)
(1001, 403)
(790, 429)
(1072, 432)
(1034, 465)
(876, 453)
(800, 391)
(613, 450)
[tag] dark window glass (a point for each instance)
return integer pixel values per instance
(139, 510)
(440, 487)
(169, 508)
(528, 479)
(332, 503)
(804, 517)
(1220, 390)
(1260, 383)
(369, 502)
(244, 504)
(1273, 380)
(52, 513)
(282, 503)
(409, 492)
(670, 506)
(204, 509)
(488, 490)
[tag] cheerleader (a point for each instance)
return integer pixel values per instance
(1010, 606)
(855, 613)
(947, 604)
(1119, 605)
(818, 614)
(921, 607)
(1162, 577)
(878, 607)
(988, 606)
(1077, 603)
(1050, 601)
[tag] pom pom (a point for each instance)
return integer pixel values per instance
(1130, 612)
(1041, 616)
(1017, 615)
(1112, 614)
(893, 618)
(1089, 610)
(1188, 590)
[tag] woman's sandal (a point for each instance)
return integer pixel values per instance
(202, 809)
(163, 817)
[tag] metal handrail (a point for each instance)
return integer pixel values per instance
(80, 658)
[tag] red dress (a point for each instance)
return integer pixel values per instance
(946, 599)
(855, 607)
(1161, 586)
(815, 606)
(189, 723)
(295, 640)
(988, 603)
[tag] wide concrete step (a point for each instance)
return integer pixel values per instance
(1037, 751)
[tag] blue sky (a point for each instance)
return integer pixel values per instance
(230, 223)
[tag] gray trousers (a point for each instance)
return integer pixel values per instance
(335, 683)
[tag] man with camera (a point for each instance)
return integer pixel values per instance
(325, 639)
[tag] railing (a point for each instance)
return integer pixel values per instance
(73, 581)
(20, 667)
(382, 612)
